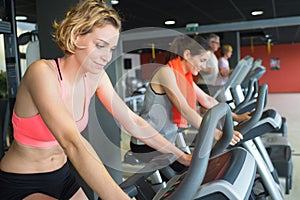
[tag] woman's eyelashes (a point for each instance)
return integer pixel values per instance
(102, 46)
(113, 49)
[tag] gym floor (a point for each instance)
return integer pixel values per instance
(287, 104)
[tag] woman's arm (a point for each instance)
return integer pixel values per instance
(241, 117)
(224, 68)
(165, 77)
(43, 87)
(208, 70)
(133, 123)
(225, 72)
(208, 102)
(204, 99)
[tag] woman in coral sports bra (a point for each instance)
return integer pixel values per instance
(51, 109)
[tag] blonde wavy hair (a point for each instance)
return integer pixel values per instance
(81, 20)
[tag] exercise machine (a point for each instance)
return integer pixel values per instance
(239, 73)
(9, 30)
(213, 174)
(250, 142)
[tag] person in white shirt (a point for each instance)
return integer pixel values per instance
(208, 76)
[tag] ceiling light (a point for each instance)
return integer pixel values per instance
(169, 22)
(114, 2)
(257, 12)
(21, 18)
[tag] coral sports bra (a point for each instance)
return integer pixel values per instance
(32, 131)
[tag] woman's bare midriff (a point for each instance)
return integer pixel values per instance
(25, 159)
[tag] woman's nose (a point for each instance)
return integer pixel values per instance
(106, 56)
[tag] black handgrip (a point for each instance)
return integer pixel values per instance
(131, 191)
(204, 142)
(156, 163)
(243, 128)
(252, 89)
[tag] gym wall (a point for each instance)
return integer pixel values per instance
(286, 79)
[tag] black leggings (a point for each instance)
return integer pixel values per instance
(178, 167)
(59, 184)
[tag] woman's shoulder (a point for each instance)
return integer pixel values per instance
(222, 58)
(41, 65)
(223, 61)
(164, 75)
(164, 69)
(41, 68)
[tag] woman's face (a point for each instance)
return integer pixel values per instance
(95, 49)
(228, 54)
(197, 62)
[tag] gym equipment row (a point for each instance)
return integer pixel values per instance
(262, 123)
(221, 171)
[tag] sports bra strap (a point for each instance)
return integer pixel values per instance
(58, 68)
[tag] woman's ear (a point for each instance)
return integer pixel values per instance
(186, 54)
(78, 42)
(76, 39)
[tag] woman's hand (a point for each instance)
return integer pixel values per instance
(202, 111)
(218, 135)
(237, 136)
(243, 117)
(185, 159)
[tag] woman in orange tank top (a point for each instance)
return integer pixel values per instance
(172, 84)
